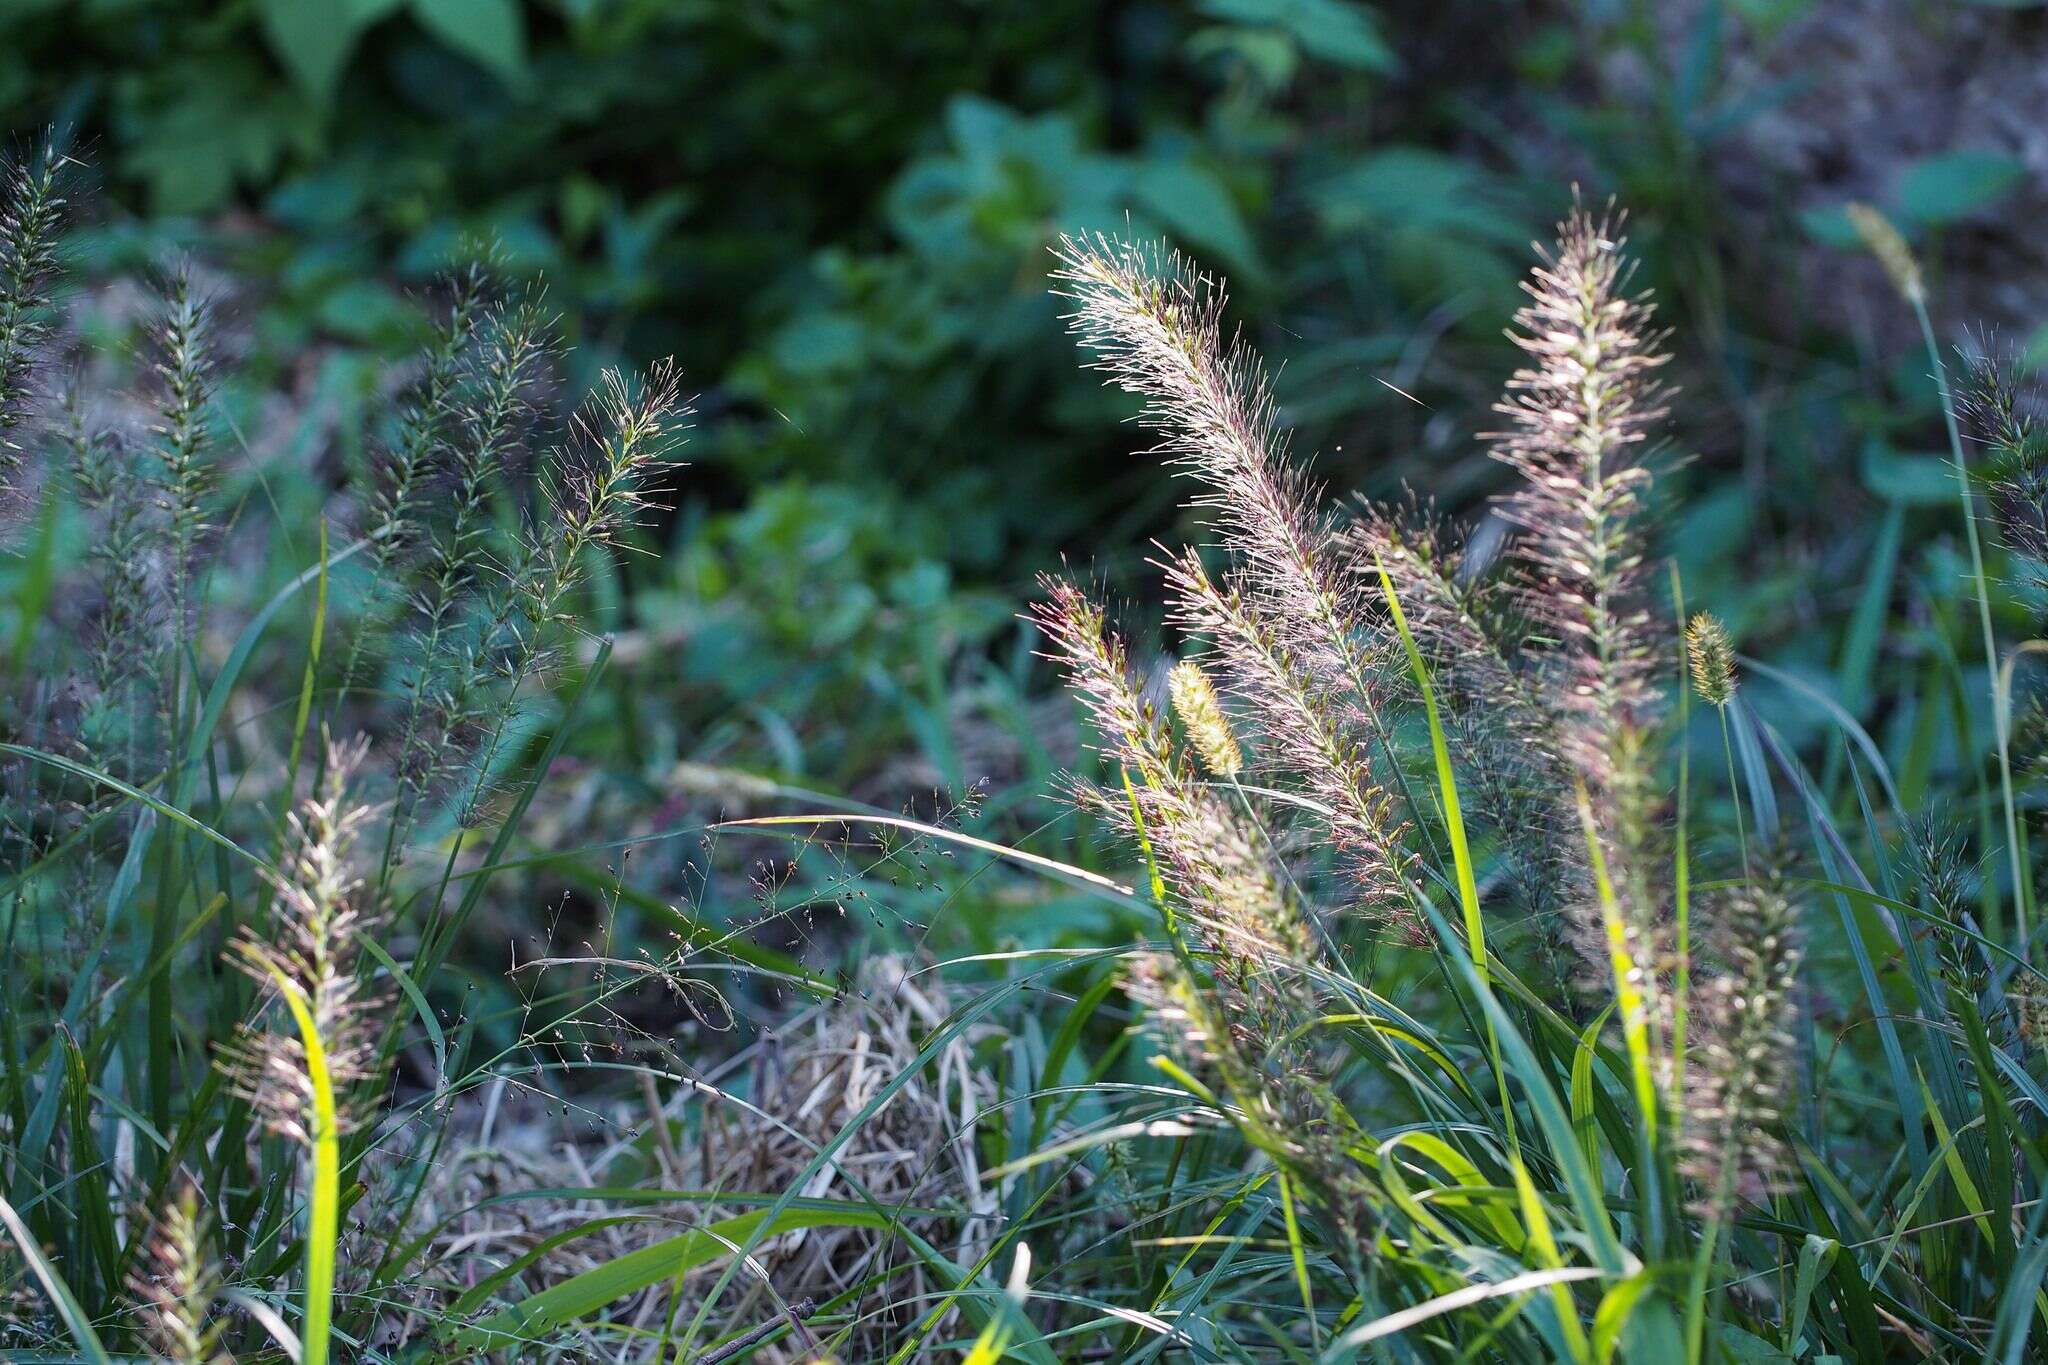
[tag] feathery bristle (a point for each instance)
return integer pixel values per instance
(625, 434)
(2005, 415)
(598, 486)
(1299, 725)
(424, 420)
(1156, 326)
(1582, 411)
(176, 1283)
(449, 669)
(1218, 868)
(1938, 867)
(1242, 1022)
(311, 950)
(182, 442)
(31, 215)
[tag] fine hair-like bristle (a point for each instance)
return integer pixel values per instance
(1202, 715)
(176, 1283)
(1155, 324)
(1583, 411)
(311, 949)
(32, 210)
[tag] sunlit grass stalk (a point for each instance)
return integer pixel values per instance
(1637, 1025)
(1890, 248)
(323, 1218)
(1734, 787)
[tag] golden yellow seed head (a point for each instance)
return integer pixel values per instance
(1202, 715)
(1886, 243)
(1713, 659)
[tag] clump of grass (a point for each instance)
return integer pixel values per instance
(1409, 1140)
(1460, 1030)
(219, 950)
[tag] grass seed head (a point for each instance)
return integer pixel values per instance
(175, 1284)
(1202, 716)
(1889, 246)
(1712, 656)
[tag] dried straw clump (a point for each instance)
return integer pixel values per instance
(803, 1085)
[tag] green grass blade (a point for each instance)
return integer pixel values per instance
(1587, 1199)
(161, 807)
(533, 1317)
(1447, 787)
(75, 1320)
(1628, 995)
(323, 1218)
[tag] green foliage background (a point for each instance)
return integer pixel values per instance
(835, 216)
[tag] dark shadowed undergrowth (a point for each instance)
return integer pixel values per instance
(1484, 976)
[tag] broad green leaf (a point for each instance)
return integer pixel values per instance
(1194, 205)
(314, 39)
(1940, 189)
(1338, 31)
(1909, 480)
(539, 1314)
(490, 32)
